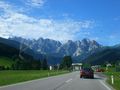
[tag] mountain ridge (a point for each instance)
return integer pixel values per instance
(86, 51)
(51, 47)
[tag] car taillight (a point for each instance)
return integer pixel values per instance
(82, 72)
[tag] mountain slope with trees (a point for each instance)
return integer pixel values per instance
(103, 56)
(10, 50)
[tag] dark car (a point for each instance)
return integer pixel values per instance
(86, 73)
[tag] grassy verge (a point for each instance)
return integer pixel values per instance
(11, 77)
(7, 62)
(116, 75)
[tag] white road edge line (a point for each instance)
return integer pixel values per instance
(69, 80)
(108, 88)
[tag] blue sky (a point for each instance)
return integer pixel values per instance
(62, 19)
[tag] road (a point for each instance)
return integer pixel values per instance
(69, 81)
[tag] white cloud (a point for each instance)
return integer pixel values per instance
(95, 38)
(35, 3)
(5, 8)
(22, 25)
(19, 24)
(4, 5)
(112, 36)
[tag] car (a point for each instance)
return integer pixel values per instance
(86, 73)
(100, 70)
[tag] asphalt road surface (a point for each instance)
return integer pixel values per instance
(69, 81)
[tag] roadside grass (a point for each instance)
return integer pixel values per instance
(15, 76)
(116, 76)
(7, 62)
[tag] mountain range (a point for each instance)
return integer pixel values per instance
(52, 47)
(86, 51)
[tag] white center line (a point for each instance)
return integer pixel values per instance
(69, 80)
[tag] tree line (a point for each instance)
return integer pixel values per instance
(23, 64)
(30, 65)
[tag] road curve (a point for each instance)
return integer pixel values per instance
(70, 81)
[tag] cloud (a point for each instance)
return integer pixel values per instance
(20, 24)
(112, 37)
(5, 7)
(35, 3)
(25, 26)
(95, 38)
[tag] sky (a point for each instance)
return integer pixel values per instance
(61, 20)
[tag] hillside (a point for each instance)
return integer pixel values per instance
(11, 57)
(5, 61)
(11, 49)
(109, 54)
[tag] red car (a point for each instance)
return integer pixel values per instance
(86, 73)
(100, 70)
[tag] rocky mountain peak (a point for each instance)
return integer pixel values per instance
(73, 48)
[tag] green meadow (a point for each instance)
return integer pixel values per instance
(14, 76)
(116, 76)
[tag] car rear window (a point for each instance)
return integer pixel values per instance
(87, 69)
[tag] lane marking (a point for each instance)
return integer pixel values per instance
(108, 88)
(69, 80)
